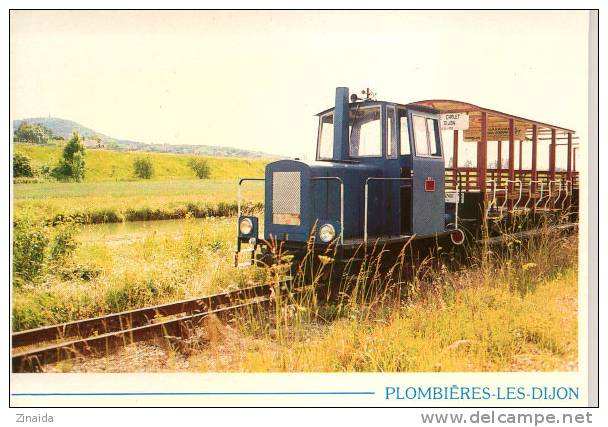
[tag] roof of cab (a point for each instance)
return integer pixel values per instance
(419, 107)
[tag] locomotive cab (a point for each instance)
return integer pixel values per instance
(404, 143)
(377, 164)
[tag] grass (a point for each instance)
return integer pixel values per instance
(108, 165)
(100, 202)
(131, 270)
(109, 193)
(507, 309)
(479, 328)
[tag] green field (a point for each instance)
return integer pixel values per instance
(108, 165)
(111, 194)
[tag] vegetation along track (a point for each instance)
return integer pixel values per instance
(37, 347)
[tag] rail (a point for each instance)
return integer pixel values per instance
(37, 347)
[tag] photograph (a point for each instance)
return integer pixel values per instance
(301, 192)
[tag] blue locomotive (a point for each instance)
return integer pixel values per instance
(380, 178)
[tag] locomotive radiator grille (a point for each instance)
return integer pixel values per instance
(286, 198)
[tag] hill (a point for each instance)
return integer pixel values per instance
(64, 128)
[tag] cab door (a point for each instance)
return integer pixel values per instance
(405, 171)
(428, 170)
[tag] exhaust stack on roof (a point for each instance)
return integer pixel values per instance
(341, 124)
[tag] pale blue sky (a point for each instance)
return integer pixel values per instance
(254, 80)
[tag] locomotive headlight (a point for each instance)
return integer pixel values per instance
(245, 226)
(327, 232)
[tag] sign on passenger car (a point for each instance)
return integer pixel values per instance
(454, 121)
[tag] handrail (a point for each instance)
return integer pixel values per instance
(373, 178)
(514, 181)
(542, 189)
(238, 207)
(494, 201)
(458, 202)
(568, 193)
(535, 181)
(341, 201)
(559, 188)
(238, 192)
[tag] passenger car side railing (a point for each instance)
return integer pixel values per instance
(510, 194)
(551, 199)
(533, 187)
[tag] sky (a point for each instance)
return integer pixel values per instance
(255, 79)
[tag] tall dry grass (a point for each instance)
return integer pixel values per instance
(510, 307)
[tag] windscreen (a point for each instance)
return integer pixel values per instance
(365, 132)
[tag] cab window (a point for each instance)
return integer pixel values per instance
(365, 132)
(404, 134)
(426, 136)
(434, 141)
(326, 137)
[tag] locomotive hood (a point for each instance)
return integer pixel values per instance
(299, 196)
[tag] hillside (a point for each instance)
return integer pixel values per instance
(111, 165)
(64, 128)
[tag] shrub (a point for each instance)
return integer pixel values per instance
(143, 168)
(22, 166)
(64, 243)
(34, 244)
(30, 241)
(200, 167)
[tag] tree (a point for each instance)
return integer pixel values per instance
(72, 166)
(33, 133)
(200, 167)
(22, 166)
(143, 168)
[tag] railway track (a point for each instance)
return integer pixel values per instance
(34, 348)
